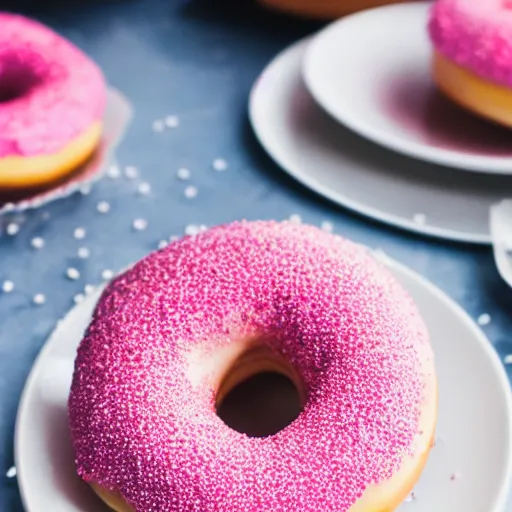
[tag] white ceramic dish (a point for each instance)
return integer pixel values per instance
(362, 176)
(501, 229)
(372, 72)
(468, 470)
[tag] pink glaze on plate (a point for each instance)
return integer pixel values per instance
(50, 92)
(141, 425)
(475, 34)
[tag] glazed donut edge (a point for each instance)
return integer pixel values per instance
(186, 319)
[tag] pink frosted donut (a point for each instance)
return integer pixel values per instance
(169, 333)
(52, 99)
(475, 34)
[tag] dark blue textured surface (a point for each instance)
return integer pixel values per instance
(196, 60)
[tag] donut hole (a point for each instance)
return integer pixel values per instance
(16, 80)
(260, 394)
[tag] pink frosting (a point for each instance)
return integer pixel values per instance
(140, 424)
(50, 92)
(475, 34)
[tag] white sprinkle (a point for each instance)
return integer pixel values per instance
(173, 238)
(131, 172)
(144, 188)
(11, 472)
(73, 274)
(13, 228)
(8, 207)
(183, 174)
(190, 192)
(39, 299)
(83, 253)
(172, 121)
(114, 172)
(203, 228)
(163, 244)
(420, 218)
(219, 164)
(85, 189)
(484, 319)
(79, 233)
(37, 242)
(327, 226)
(191, 229)
(78, 298)
(508, 359)
(103, 207)
(140, 224)
(295, 218)
(89, 289)
(455, 476)
(158, 126)
(107, 275)
(7, 286)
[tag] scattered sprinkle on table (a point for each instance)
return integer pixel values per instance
(183, 174)
(12, 228)
(7, 286)
(190, 192)
(72, 273)
(140, 224)
(131, 172)
(39, 299)
(113, 172)
(107, 275)
(83, 253)
(219, 164)
(172, 121)
(484, 319)
(37, 242)
(11, 472)
(144, 188)
(79, 233)
(295, 218)
(103, 207)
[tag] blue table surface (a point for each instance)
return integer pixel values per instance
(196, 60)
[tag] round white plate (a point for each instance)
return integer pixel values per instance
(474, 445)
(371, 72)
(338, 164)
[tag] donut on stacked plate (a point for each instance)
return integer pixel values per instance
(52, 100)
(172, 336)
(473, 55)
(325, 8)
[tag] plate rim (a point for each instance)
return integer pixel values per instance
(444, 157)
(399, 270)
(339, 199)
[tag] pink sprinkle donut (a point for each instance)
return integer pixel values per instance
(167, 334)
(475, 34)
(52, 99)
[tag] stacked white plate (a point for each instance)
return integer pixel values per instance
(354, 115)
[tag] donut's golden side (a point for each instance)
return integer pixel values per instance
(482, 97)
(18, 172)
(325, 9)
(243, 360)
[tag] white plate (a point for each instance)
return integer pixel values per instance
(357, 174)
(474, 416)
(371, 71)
